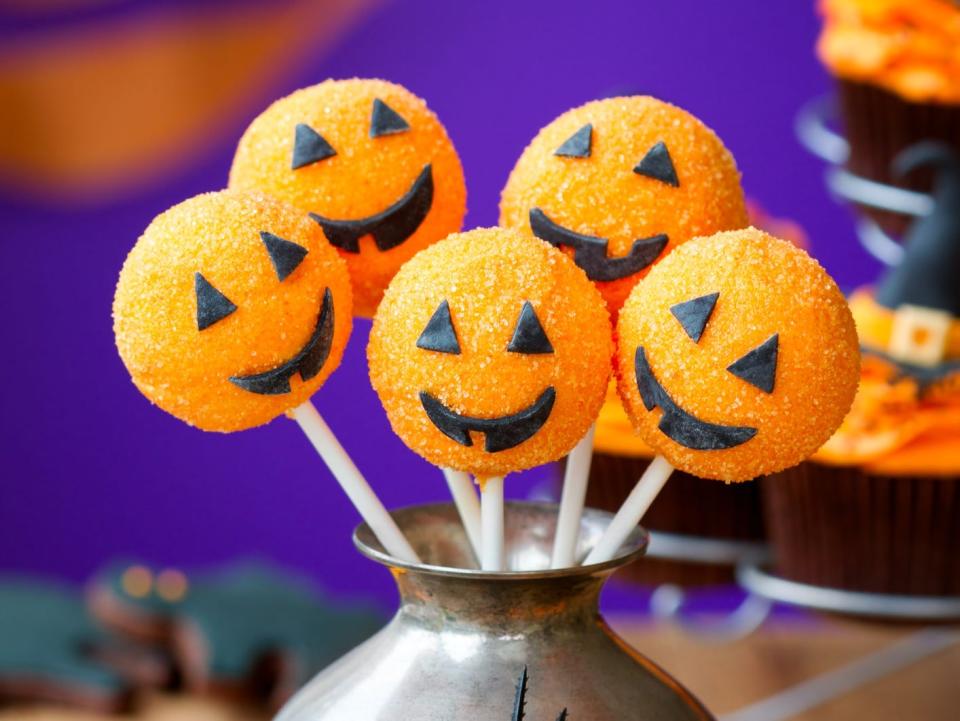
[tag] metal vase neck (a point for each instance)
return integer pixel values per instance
(463, 637)
(448, 588)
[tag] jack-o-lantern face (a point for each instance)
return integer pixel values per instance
(737, 356)
(231, 309)
(369, 163)
(617, 183)
(490, 352)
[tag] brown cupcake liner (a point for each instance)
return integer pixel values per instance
(879, 124)
(843, 528)
(688, 506)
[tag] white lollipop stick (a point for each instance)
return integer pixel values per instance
(492, 554)
(353, 483)
(571, 502)
(632, 510)
(467, 503)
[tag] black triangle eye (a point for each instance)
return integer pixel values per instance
(309, 147)
(577, 145)
(212, 305)
(284, 255)
(384, 120)
(658, 164)
(529, 336)
(694, 314)
(759, 366)
(439, 334)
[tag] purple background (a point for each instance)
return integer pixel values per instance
(91, 471)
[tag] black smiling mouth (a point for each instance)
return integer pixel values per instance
(680, 426)
(591, 252)
(307, 362)
(390, 227)
(500, 433)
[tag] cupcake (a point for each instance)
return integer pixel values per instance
(898, 69)
(878, 507)
(722, 512)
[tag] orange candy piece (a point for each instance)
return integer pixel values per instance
(495, 367)
(364, 173)
(602, 195)
(274, 321)
(769, 294)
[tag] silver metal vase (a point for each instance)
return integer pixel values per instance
(458, 646)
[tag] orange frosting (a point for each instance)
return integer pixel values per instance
(186, 370)
(910, 47)
(893, 428)
(486, 276)
(875, 324)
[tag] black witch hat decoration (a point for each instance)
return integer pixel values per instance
(928, 274)
(923, 290)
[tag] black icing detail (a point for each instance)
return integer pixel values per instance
(212, 305)
(694, 314)
(680, 426)
(529, 336)
(520, 697)
(501, 433)
(927, 275)
(284, 254)
(759, 366)
(591, 252)
(390, 227)
(384, 120)
(926, 377)
(309, 147)
(658, 164)
(307, 362)
(577, 145)
(439, 334)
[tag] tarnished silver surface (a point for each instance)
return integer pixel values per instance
(462, 636)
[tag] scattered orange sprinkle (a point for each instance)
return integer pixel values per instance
(766, 286)
(365, 177)
(602, 196)
(486, 275)
(186, 371)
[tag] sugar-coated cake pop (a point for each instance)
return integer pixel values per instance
(737, 356)
(231, 309)
(618, 183)
(369, 162)
(491, 352)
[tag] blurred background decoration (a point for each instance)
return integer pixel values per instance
(105, 99)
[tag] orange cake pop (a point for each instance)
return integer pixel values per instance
(618, 183)
(369, 162)
(490, 352)
(231, 309)
(737, 356)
